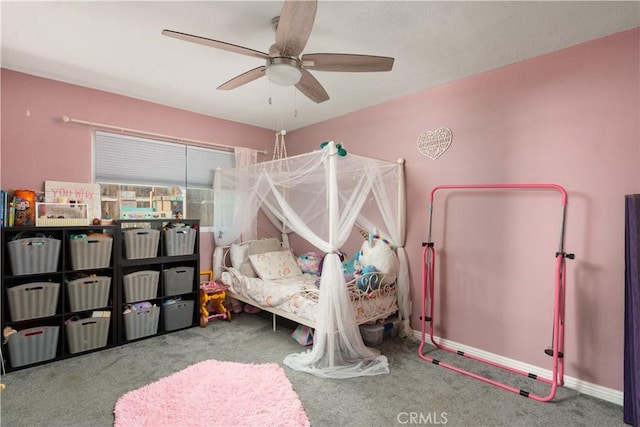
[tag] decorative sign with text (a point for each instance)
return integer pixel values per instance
(74, 192)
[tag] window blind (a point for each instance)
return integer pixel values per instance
(202, 164)
(123, 159)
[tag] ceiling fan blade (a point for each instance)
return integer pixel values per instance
(215, 43)
(311, 88)
(294, 26)
(244, 78)
(346, 62)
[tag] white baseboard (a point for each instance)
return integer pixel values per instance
(581, 386)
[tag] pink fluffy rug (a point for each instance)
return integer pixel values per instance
(214, 393)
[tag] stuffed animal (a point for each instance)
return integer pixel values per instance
(349, 267)
(377, 253)
(309, 262)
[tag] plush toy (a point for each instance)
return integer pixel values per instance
(377, 253)
(349, 267)
(309, 262)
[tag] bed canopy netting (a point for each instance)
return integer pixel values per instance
(320, 196)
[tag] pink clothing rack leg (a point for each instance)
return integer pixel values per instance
(428, 287)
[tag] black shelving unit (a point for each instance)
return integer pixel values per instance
(178, 276)
(57, 311)
(43, 303)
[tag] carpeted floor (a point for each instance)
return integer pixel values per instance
(83, 391)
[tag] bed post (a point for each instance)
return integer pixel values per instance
(404, 303)
(218, 253)
(333, 214)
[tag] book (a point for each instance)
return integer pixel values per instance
(3, 208)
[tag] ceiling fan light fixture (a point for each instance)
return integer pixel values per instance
(283, 71)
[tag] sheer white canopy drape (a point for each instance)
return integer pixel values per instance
(318, 196)
(389, 198)
(245, 157)
(230, 223)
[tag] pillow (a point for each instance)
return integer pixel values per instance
(239, 259)
(240, 252)
(275, 265)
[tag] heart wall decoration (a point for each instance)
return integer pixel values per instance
(433, 143)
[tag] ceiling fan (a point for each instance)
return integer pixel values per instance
(284, 65)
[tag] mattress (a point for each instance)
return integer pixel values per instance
(299, 296)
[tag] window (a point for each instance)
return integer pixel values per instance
(138, 176)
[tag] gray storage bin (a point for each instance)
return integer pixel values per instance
(33, 345)
(141, 285)
(87, 334)
(90, 252)
(34, 255)
(141, 323)
(87, 293)
(180, 240)
(177, 315)
(33, 300)
(178, 280)
(141, 243)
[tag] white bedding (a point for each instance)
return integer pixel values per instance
(299, 296)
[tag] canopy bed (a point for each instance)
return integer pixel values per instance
(321, 196)
(274, 280)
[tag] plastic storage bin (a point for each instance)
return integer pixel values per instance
(33, 300)
(374, 334)
(180, 240)
(34, 255)
(33, 345)
(90, 252)
(87, 334)
(141, 285)
(141, 243)
(177, 315)
(87, 293)
(178, 280)
(141, 323)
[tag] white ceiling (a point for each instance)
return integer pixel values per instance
(117, 46)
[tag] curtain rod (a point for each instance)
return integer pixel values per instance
(67, 119)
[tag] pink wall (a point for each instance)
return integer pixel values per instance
(571, 118)
(37, 146)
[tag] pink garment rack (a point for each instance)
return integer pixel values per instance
(556, 351)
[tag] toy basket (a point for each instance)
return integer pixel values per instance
(178, 280)
(141, 323)
(90, 252)
(33, 345)
(180, 241)
(33, 255)
(33, 300)
(178, 315)
(87, 293)
(87, 334)
(141, 285)
(141, 243)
